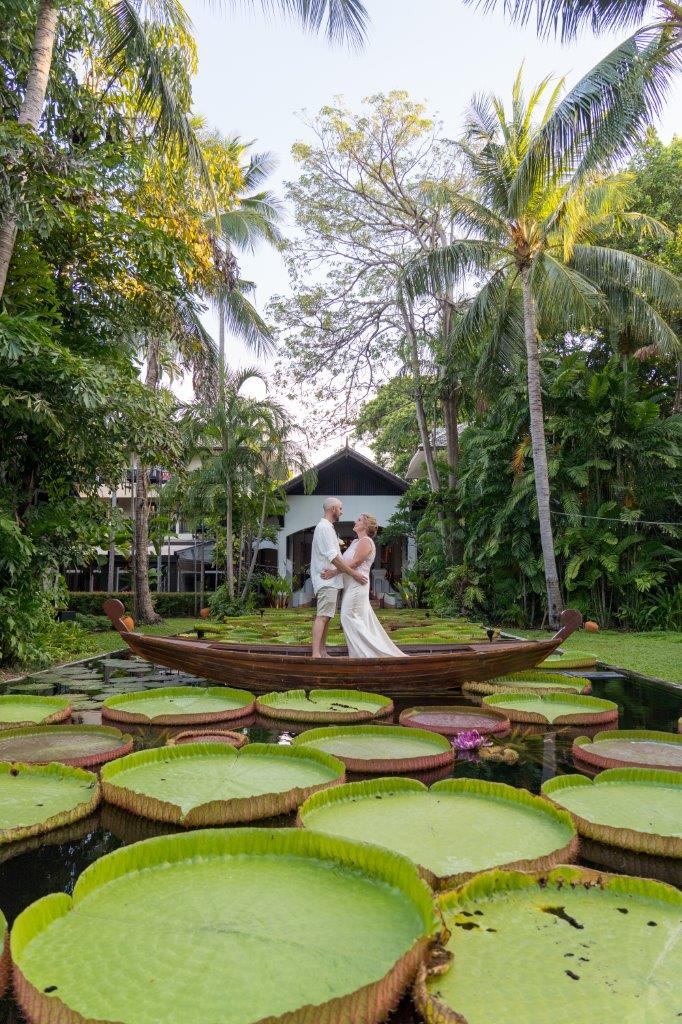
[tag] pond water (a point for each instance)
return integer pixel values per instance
(57, 860)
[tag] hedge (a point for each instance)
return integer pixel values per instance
(169, 605)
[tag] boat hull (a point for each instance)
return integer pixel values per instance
(263, 668)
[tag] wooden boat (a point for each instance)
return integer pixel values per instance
(435, 668)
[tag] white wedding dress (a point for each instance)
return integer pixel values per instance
(365, 636)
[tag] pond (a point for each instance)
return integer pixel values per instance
(58, 859)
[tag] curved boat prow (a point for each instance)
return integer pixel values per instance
(570, 620)
(115, 610)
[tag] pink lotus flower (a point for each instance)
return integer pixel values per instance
(470, 739)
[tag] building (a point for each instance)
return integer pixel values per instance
(362, 486)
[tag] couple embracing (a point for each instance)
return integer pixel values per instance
(331, 572)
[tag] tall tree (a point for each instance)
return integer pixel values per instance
(374, 189)
(127, 44)
(538, 251)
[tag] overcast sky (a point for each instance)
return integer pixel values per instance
(256, 75)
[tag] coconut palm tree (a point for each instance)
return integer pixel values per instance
(128, 44)
(537, 250)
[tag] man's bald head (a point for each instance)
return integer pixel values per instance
(333, 509)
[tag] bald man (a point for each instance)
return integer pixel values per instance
(325, 554)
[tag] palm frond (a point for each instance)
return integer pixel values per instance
(566, 18)
(602, 117)
(434, 272)
(128, 44)
(343, 21)
(564, 293)
(641, 322)
(243, 320)
(256, 219)
(626, 270)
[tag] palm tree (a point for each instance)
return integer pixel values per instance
(234, 438)
(128, 44)
(537, 249)
(567, 17)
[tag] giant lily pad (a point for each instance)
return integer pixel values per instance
(324, 705)
(236, 926)
(451, 831)
(530, 682)
(180, 705)
(630, 748)
(25, 710)
(554, 708)
(576, 659)
(4, 954)
(198, 784)
(208, 735)
(451, 719)
(38, 798)
(83, 746)
(635, 808)
(570, 947)
(380, 748)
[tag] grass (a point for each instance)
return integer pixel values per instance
(656, 654)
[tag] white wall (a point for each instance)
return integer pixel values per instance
(305, 511)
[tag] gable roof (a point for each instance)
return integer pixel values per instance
(384, 481)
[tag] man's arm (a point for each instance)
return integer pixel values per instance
(348, 569)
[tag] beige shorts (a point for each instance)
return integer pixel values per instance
(326, 601)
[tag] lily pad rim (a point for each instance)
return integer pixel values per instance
(331, 731)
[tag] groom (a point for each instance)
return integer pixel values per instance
(326, 552)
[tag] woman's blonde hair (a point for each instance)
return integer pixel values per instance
(371, 524)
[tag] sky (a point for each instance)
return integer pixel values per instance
(256, 75)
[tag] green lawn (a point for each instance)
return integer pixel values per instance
(651, 654)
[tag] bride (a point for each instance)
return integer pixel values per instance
(365, 635)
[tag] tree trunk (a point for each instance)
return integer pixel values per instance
(256, 546)
(112, 552)
(29, 115)
(229, 540)
(537, 433)
(677, 404)
(144, 606)
(449, 399)
(419, 402)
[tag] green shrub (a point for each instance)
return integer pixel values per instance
(277, 590)
(173, 605)
(223, 606)
(93, 623)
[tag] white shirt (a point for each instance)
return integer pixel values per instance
(325, 547)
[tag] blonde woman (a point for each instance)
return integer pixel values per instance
(365, 636)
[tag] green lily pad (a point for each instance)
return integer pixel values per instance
(29, 710)
(554, 708)
(83, 746)
(180, 705)
(635, 808)
(380, 748)
(41, 689)
(198, 784)
(570, 947)
(37, 798)
(451, 831)
(268, 919)
(576, 659)
(324, 705)
(530, 682)
(630, 748)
